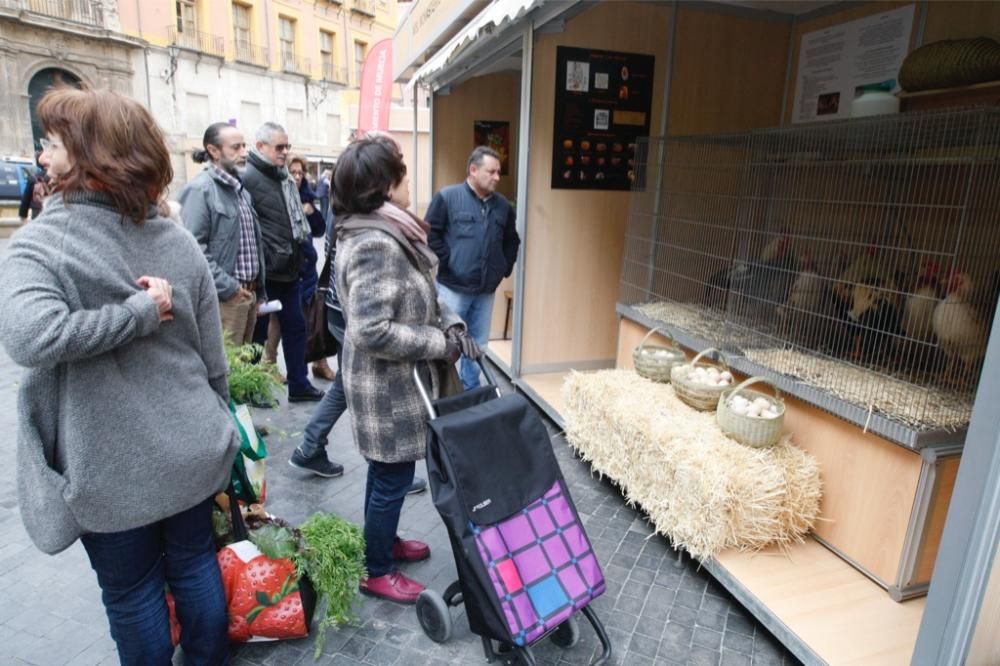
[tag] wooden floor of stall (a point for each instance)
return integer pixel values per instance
(817, 605)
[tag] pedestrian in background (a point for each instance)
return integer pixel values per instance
(218, 211)
(284, 229)
(395, 324)
(474, 234)
(124, 435)
(36, 189)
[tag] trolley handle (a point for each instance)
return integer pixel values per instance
(425, 393)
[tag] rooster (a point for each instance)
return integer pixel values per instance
(918, 320)
(763, 282)
(873, 321)
(807, 312)
(960, 328)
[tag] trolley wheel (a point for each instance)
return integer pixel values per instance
(434, 616)
(566, 634)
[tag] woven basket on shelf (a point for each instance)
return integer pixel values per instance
(700, 396)
(949, 63)
(748, 430)
(655, 361)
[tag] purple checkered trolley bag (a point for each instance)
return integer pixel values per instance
(525, 564)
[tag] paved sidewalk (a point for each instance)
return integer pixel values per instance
(655, 612)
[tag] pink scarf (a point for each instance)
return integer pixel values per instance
(409, 224)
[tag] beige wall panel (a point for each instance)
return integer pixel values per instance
(718, 86)
(985, 648)
(490, 97)
(947, 473)
(575, 238)
(961, 19)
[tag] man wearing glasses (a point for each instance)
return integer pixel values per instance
(283, 228)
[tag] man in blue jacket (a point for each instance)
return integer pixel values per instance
(474, 236)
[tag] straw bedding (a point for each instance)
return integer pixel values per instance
(702, 490)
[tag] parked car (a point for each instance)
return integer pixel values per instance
(15, 174)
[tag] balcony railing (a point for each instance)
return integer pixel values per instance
(251, 54)
(196, 40)
(335, 74)
(364, 7)
(87, 12)
(293, 65)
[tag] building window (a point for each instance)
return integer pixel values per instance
(326, 40)
(287, 37)
(241, 30)
(187, 21)
(360, 51)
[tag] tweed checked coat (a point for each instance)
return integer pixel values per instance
(394, 323)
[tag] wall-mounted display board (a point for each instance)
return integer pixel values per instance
(836, 62)
(603, 102)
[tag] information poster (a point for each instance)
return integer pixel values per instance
(603, 102)
(837, 62)
(496, 135)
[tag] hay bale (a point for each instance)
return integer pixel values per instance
(702, 490)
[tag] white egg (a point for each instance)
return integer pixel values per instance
(763, 402)
(739, 408)
(725, 374)
(741, 400)
(722, 382)
(661, 353)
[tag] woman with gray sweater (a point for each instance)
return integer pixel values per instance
(124, 433)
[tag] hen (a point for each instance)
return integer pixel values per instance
(960, 328)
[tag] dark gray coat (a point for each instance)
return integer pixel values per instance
(394, 322)
(210, 211)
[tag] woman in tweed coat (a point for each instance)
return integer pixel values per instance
(385, 281)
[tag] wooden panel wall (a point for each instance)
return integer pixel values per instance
(729, 72)
(488, 97)
(985, 648)
(575, 239)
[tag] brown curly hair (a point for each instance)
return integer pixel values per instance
(115, 145)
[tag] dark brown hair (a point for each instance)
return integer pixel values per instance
(115, 145)
(365, 173)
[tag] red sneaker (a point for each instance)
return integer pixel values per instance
(410, 551)
(393, 586)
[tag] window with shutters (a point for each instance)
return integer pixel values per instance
(287, 38)
(187, 21)
(326, 41)
(360, 51)
(241, 30)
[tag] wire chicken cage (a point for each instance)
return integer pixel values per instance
(858, 259)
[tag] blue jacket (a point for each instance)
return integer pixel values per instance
(475, 240)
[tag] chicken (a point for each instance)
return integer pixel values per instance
(767, 278)
(960, 328)
(918, 312)
(865, 266)
(806, 314)
(873, 323)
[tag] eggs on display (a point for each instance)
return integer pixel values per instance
(709, 376)
(758, 408)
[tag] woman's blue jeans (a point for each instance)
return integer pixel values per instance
(132, 568)
(384, 495)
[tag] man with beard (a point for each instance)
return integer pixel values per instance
(217, 209)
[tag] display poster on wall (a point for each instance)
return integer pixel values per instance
(603, 102)
(836, 63)
(496, 135)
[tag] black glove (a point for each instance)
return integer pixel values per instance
(466, 343)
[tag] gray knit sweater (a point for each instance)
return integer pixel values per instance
(122, 420)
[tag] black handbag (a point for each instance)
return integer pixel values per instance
(319, 342)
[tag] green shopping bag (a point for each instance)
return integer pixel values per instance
(249, 464)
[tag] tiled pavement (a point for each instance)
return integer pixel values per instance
(655, 612)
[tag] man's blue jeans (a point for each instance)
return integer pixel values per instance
(476, 310)
(384, 494)
(331, 407)
(293, 333)
(132, 568)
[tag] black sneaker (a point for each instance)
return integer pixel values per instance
(319, 464)
(418, 486)
(312, 394)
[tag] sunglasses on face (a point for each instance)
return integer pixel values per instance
(281, 147)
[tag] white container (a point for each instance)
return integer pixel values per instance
(874, 103)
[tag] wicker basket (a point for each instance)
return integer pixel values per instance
(755, 432)
(950, 62)
(655, 361)
(699, 396)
